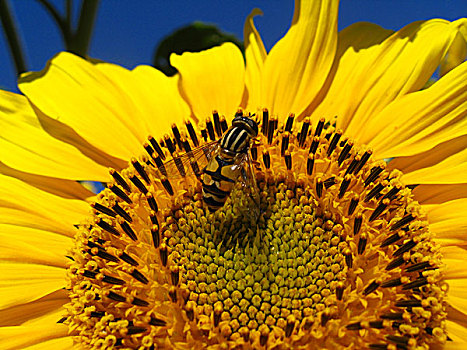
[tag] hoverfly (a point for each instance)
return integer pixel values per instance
(220, 165)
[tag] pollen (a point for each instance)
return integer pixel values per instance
(322, 248)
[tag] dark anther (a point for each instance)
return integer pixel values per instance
(167, 186)
(224, 125)
(288, 160)
(120, 211)
(376, 324)
(271, 130)
(363, 161)
(392, 316)
(392, 193)
(217, 318)
(139, 302)
(285, 143)
(398, 339)
(266, 159)
(329, 182)
(106, 256)
(155, 236)
(263, 339)
(254, 152)
(325, 317)
(349, 260)
(128, 259)
(97, 313)
(169, 144)
(344, 185)
(304, 132)
(390, 240)
(63, 319)
(418, 266)
(334, 141)
(289, 328)
(419, 282)
(310, 164)
(177, 136)
(204, 135)
(119, 193)
(156, 147)
(362, 244)
(139, 276)
(353, 205)
(149, 150)
(153, 217)
(119, 180)
(314, 145)
(192, 133)
(160, 165)
(354, 326)
(135, 330)
(163, 254)
(391, 283)
(90, 274)
(345, 152)
(409, 303)
(137, 182)
(103, 209)
(405, 247)
(115, 296)
(179, 164)
(107, 227)
(371, 288)
(319, 187)
(265, 123)
(128, 230)
(92, 244)
(157, 322)
(173, 295)
(378, 211)
(152, 202)
(186, 145)
(175, 276)
(374, 173)
(319, 127)
(289, 123)
(217, 123)
(190, 314)
(402, 222)
(113, 280)
(327, 136)
(376, 346)
(374, 192)
(340, 291)
(69, 257)
(395, 263)
(210, 129)
(357, 224)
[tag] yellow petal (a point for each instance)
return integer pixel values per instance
(448, 220)
(255, 55)
(46, 309)
(458, 333)
(297, 68)
(403, 63)
(355, 44)
(436, 194)
(212, 79)
(458, 50)
(162, 105)
(456, 295)
(20, 337)
(26, 146)
(75, 92)
(23, 283)
(418, 121)
(62, 343)
(20, 197)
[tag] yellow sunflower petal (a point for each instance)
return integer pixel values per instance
(447, 219)
(20, 337)
(436, 194)
(403, 63)
(162, 104)
(75, 92)
(212, 79)
(255, 55)
(458, 333)
(418, 121)
(62, 343)
(23, 283)
(26, 146)
(458, 50)
(20, 197)
(297, 68)
(46, 309)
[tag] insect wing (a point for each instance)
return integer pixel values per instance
(188, 163)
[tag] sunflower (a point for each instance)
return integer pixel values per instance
(359, 171)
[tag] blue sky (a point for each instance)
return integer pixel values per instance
(127, 32)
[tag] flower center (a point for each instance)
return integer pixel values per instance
(321, 246)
